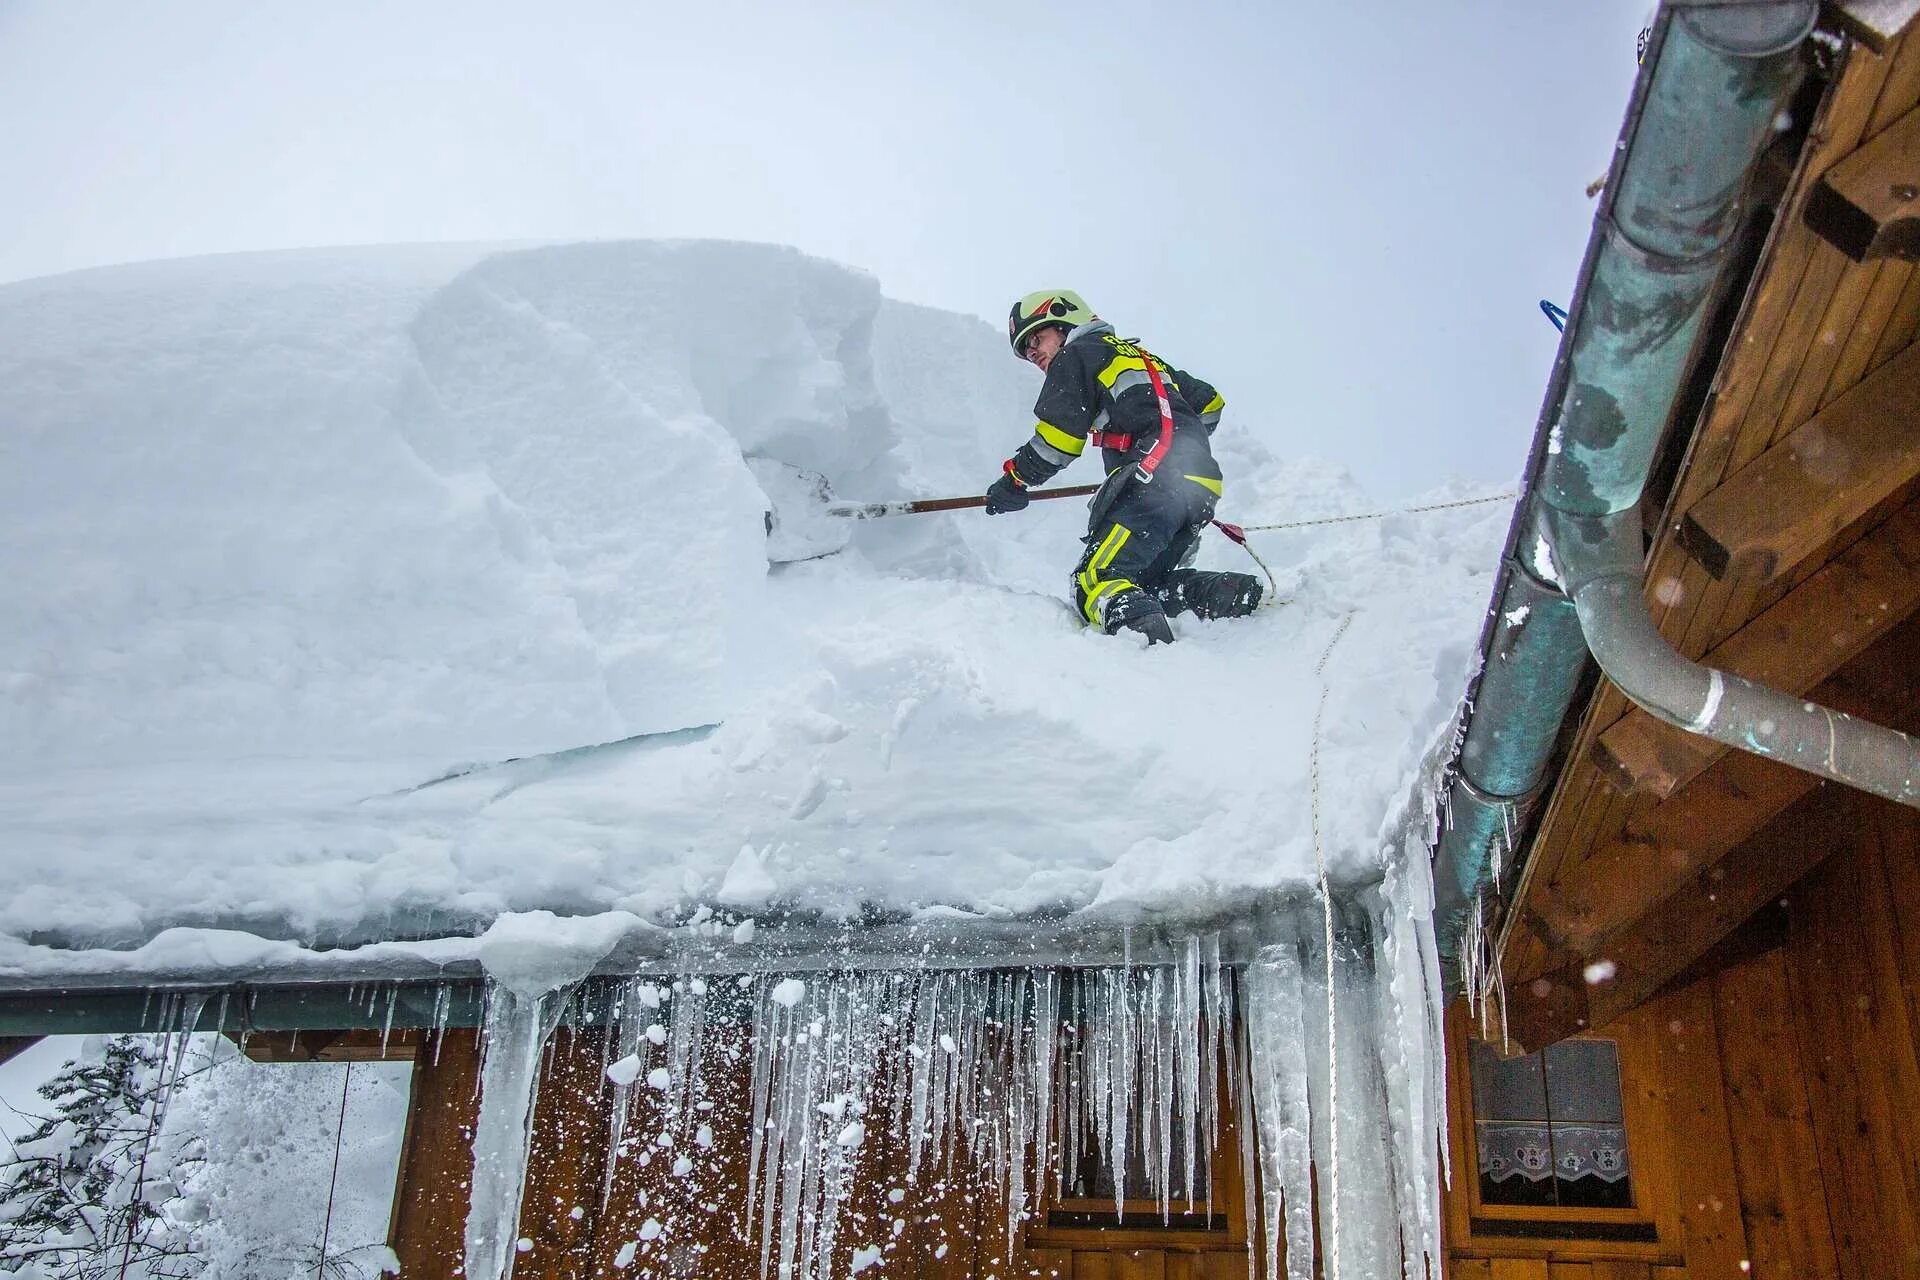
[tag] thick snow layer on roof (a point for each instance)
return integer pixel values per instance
(291, 538)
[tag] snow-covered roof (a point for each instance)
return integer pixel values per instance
(367, 595)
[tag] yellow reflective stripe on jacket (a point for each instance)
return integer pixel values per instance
(1208, 482)
(1119, 365)
(1216, 404)
(1065, 441)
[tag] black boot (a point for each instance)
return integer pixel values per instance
(1210, 593)
(1136, 610)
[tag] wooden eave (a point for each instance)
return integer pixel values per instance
(1786, 550)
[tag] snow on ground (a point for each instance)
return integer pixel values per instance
(290, 535)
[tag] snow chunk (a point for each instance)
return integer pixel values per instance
(533, 952)
(853, 1135)
(625, 1071)
(659, 1079)
(788, 991)
(747, 883)
(865, 1257)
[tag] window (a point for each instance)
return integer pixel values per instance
(1566, 1153)
(1088, 1199)
(1549, 1127)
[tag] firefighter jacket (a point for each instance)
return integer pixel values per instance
(1098, 388)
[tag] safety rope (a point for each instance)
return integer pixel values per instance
(1237, 533)
(1238, 536)
(1380, 515)
(1326, 902)
(339, 1132)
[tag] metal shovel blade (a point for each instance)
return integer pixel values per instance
(800, 525)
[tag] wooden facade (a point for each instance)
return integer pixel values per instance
(1774, 1104)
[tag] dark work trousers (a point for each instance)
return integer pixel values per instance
(1138, 535)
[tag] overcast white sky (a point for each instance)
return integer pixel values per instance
(1343, 215)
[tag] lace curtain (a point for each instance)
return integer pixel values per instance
(1537, 1151)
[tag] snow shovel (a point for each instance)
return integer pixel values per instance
(805, 521)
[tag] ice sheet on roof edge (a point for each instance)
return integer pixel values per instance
(1012, 1072)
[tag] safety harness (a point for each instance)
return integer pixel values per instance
(1123, 440)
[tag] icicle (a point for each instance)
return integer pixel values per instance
(1277, 1071)
(1012, 1137)
(623, 1039)
(1188, 1027)
(1410, 1041)
(1124, 1074)
(921, 1065)
(688, 1032)
(386, 1025)
(1240, 1056)
(1159, 1152)
(442, 1011)
(514, 1033)
(1045, 1047)
(1349, 1093)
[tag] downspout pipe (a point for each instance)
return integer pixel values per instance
(1713, 84)
(1600, 562)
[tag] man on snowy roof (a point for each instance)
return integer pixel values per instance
(1151, 422)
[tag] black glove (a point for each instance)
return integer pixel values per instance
(1004, 495)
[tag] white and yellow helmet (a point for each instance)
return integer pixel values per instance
(1049, 306)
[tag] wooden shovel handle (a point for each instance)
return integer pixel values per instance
(873, 510)
(980, 500)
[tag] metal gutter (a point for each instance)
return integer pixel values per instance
(1712, 84)
(442, 982)
(1601, 565)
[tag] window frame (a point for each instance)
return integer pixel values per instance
(1642, 1112)
(1229, 1201)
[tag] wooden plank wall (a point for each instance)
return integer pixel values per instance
(1791, 1086)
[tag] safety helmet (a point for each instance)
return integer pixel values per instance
(1049, 306)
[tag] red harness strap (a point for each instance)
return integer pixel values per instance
(1123, 440)
(1151, 462)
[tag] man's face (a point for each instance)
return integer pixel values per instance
(1043, 345)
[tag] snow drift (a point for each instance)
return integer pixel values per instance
(374, 593)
